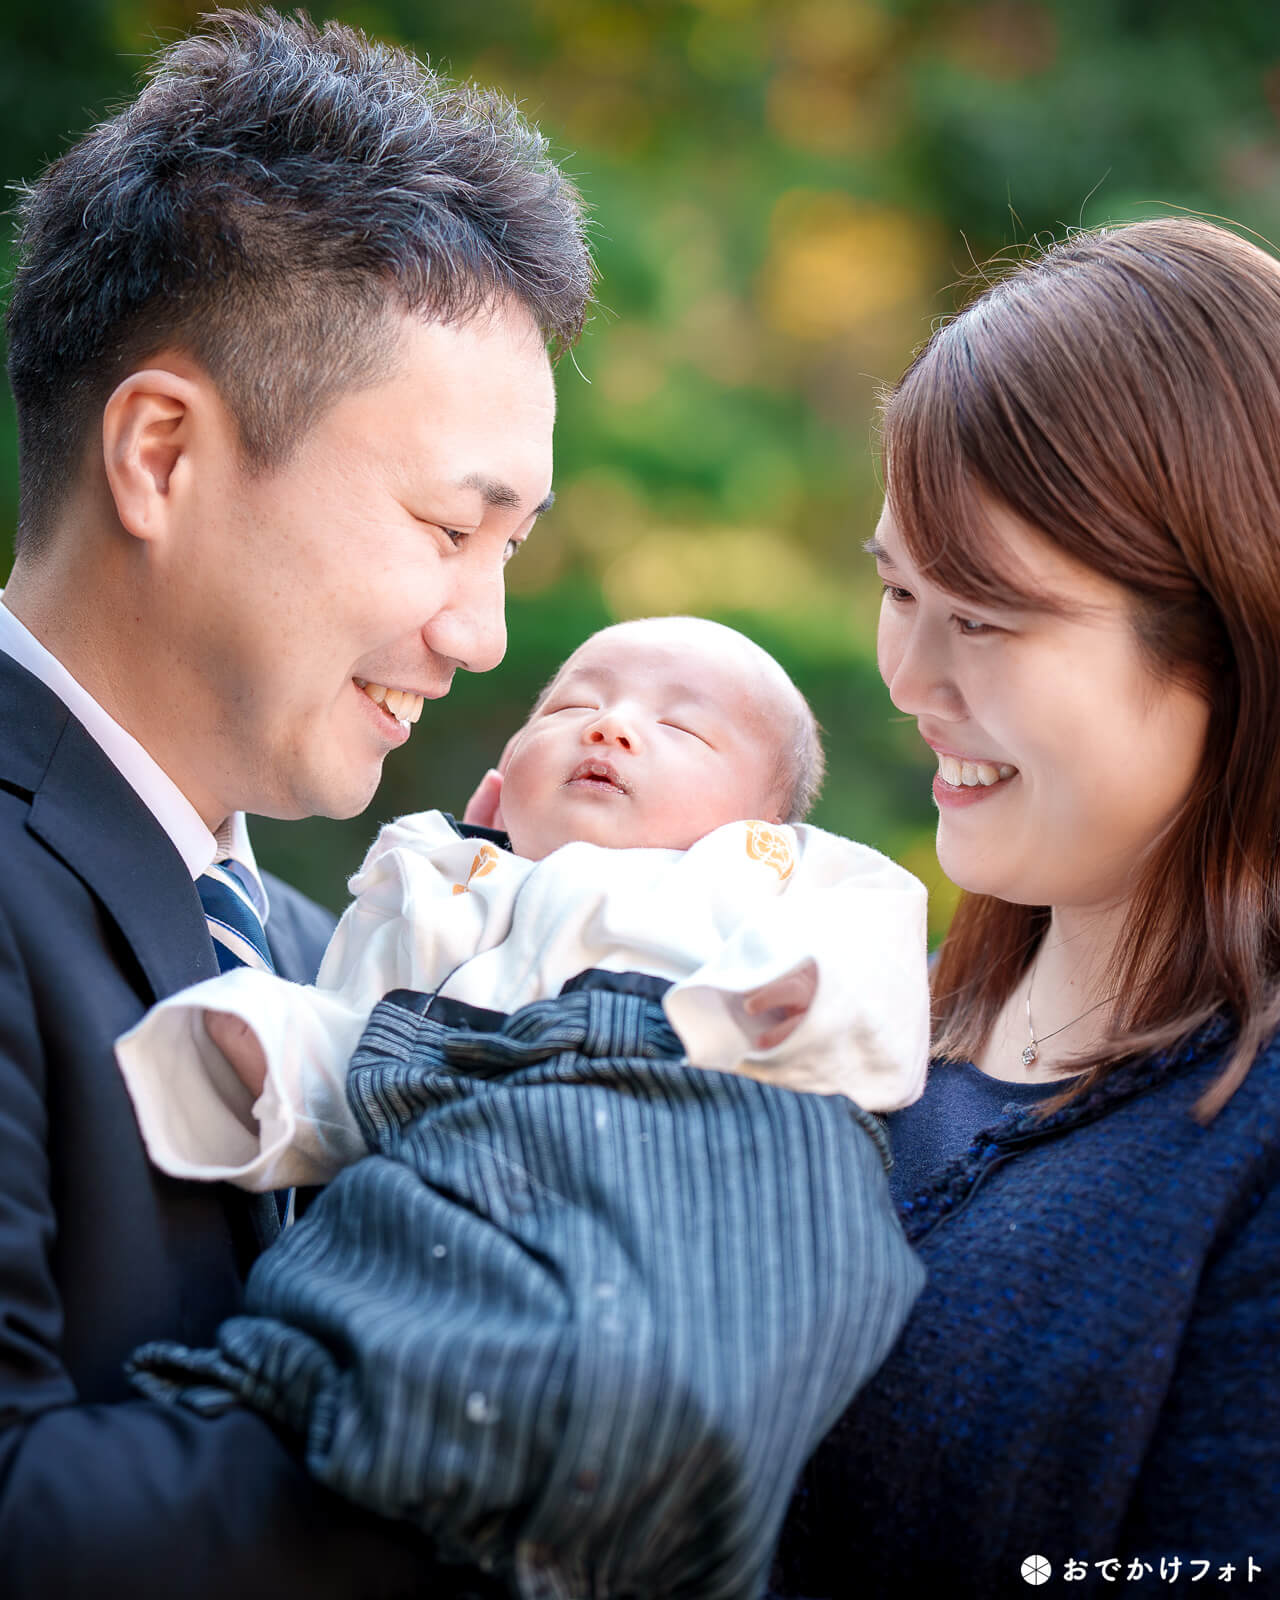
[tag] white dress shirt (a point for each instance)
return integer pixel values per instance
(194, 842)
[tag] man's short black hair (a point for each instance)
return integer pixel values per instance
(272, 191)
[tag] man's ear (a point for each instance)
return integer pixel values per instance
(147, 436)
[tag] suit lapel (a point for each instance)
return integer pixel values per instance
(91, 818)
(282, 941)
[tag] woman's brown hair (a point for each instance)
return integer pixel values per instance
(1121, 393)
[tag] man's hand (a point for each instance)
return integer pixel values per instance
(773, 1012)
(239, 1044)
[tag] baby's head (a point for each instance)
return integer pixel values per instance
(655, 732)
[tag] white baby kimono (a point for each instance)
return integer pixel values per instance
(747, 905)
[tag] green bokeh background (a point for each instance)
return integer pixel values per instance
(786, 195)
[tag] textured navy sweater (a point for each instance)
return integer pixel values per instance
(960, 1101)
(1092, 1374)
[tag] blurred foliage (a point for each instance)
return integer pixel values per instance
(786, 195)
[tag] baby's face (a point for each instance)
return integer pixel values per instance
(652, 734)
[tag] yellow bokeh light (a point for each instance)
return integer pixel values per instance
(836, 263)
(712, 570)
(852, 33)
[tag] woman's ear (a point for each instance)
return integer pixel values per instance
(147, 427)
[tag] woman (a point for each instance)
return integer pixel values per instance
(1081, 559)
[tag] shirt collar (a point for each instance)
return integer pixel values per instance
(197, 846)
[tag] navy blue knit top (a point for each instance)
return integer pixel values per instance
(958, 1100)
(1092, 1373)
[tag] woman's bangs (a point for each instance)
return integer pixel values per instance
(938, 493)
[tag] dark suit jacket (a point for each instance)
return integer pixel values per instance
(101, 1492)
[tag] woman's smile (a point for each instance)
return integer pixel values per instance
(964, 780)
(1066, 687)
(966, 784)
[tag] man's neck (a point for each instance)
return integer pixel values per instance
(68, 619)
(102, 640)
(197, 839)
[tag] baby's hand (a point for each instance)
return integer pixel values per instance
(773, 1012)
(239, 1044)
(484, 809)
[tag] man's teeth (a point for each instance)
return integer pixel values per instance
(403, 705)
(971, 774)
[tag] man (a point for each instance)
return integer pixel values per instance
(278, 345)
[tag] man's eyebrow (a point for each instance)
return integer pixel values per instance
(502, 495)
(877, 551)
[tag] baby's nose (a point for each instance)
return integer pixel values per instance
(612, 730)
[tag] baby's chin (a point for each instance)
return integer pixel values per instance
(534, 840)
(538, 843)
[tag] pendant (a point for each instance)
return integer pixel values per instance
(1029, 1053)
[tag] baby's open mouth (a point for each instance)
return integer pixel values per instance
(597, 775)
(401, 704)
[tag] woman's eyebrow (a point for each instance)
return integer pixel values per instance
(877, 551)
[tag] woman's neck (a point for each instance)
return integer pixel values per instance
(1069, 984)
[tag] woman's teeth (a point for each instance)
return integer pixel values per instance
(403, 705)
(971, 774)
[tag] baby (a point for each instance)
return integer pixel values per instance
(584, 1306)
(649, 801)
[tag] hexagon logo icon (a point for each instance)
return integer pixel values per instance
(1036, 1569)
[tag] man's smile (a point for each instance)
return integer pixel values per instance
(402, 704)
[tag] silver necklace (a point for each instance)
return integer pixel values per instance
(1031, 1051)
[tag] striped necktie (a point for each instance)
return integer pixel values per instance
(239, 939)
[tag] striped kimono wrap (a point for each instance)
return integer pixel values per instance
(584, 1310)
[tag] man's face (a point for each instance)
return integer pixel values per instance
(652, 734)
(371, 561)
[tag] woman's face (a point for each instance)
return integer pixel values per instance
(1061, 757)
